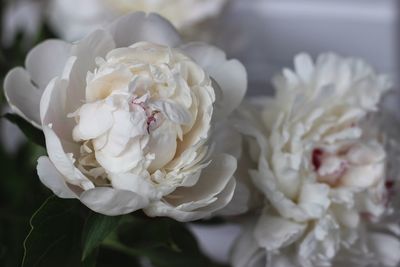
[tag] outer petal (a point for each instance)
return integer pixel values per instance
(51, 178)
(212, 181)
(63, 162)
(386, 248)
(139, 27)
(273, 232)
(23, 97)
(112, 202)
(246, 252)
(187, 211)
(47, 60)
(230, 75)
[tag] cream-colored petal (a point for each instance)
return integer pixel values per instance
(95, 119)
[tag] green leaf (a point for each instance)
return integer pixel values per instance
(97, 228)
(165, 242)
(32, 133)
(54, 238)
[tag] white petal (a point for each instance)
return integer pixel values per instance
(52, 111)
(135, 183)
(274, 232)
(314, 199)
(51, 178)
(124, 162)
(216, 240)
(23, 97)
(246, 252)
(173, 111)
(205, 55)
(386, 248)
(188, 211)
(163, 145)
(97, 44)
(212, 181)
(230, 75)
(95, 119)
(139, 27)
(126, 126)
(304, 67)
(112, 202)
(63, 162)
(47, 60)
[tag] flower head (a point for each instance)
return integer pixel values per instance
(127, 115)
(71, 23)
(321, 171)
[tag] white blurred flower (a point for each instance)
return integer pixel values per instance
(21, 16)
(320, 168)
(73, 19)
(127, 113)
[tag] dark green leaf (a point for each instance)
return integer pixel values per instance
(165, 242)
(97, 228)
(54, 239)
(33, 134)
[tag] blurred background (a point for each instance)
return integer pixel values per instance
(263, 34)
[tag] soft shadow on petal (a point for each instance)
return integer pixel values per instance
(47, 60)
(63, 162)
(213, 191)
(52, 111)
(230, 75)
(141, 27)
(273, 232)
(112, 202)
(23, 96)
(214, 178)
(95, 45)
(386, 248)
(52, 179)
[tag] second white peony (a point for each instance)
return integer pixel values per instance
(320, 166)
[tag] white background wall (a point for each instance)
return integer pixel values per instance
(266, 34)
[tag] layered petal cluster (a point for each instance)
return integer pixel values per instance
(72, 23)
(128, 114)
(320, 168)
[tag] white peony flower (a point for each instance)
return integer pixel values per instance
(320, 169)
(73, 23)
(127, 114)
